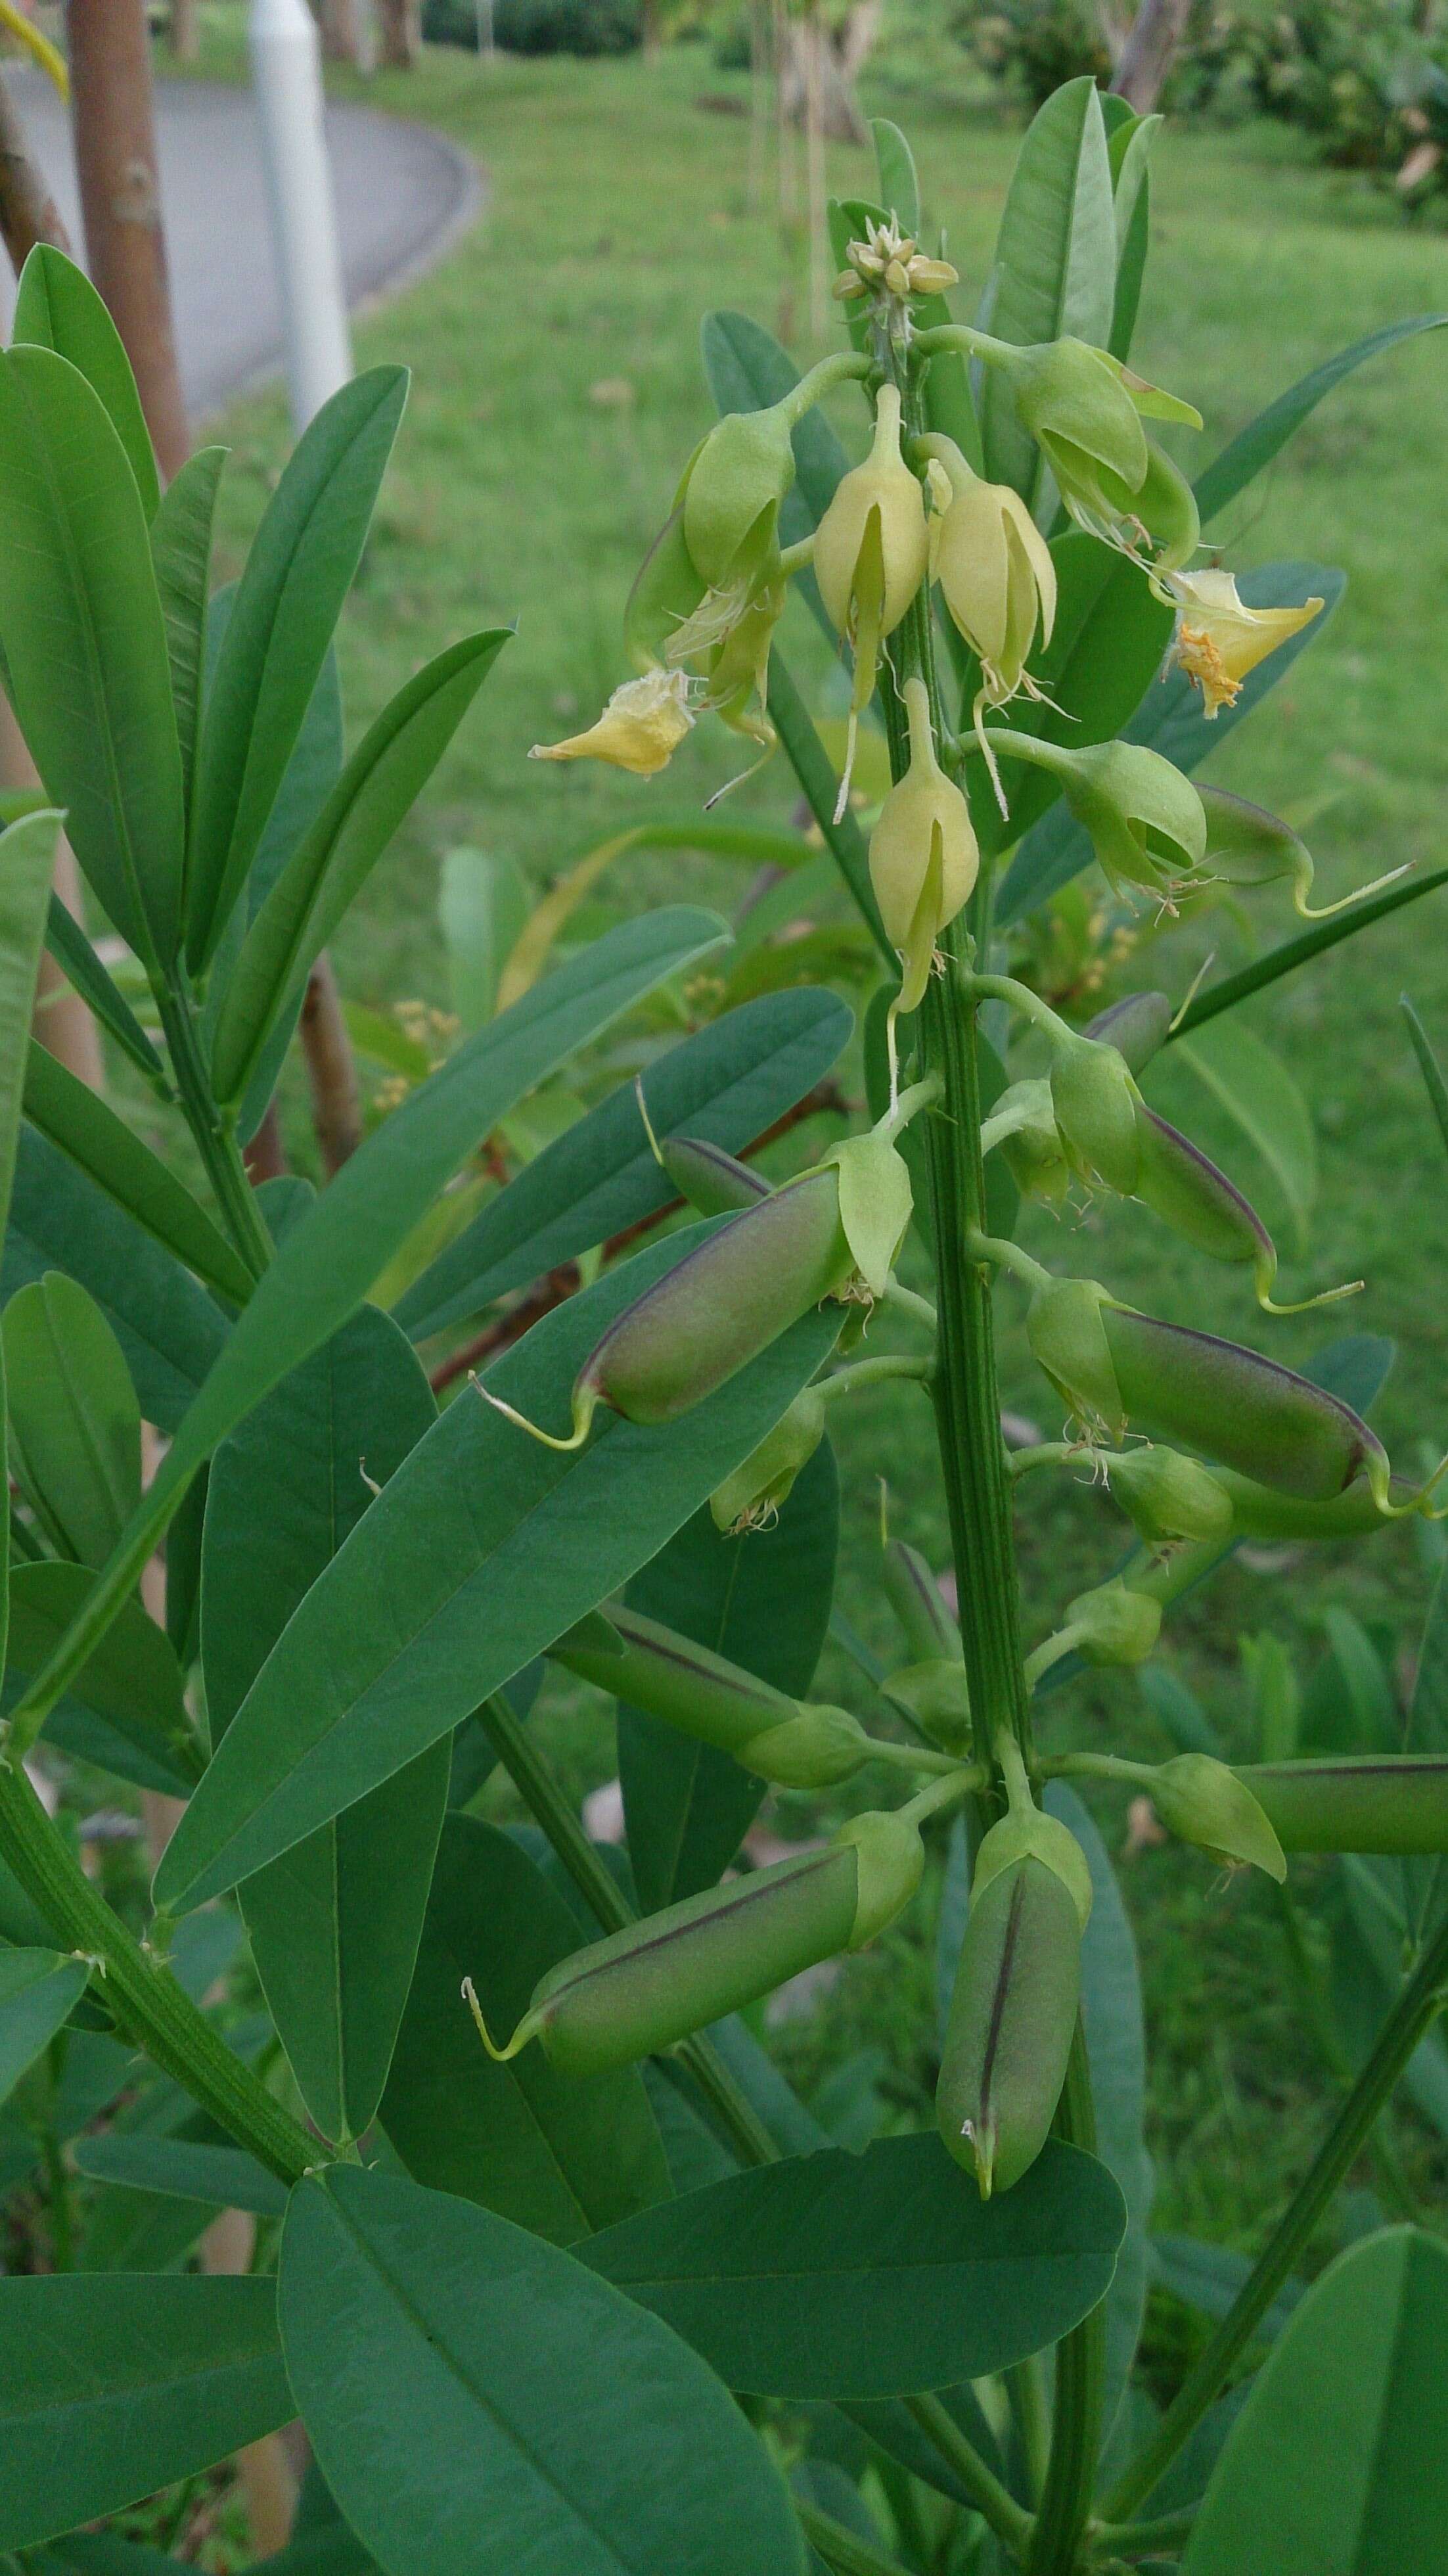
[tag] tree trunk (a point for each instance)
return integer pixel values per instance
(28, 212)
(120, 195)
(1149, 52)
(185, 33)
(401, 31)
(843, 52)
(341, 30)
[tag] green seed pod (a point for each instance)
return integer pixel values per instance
(1171, 1500)
(1264, 1420)
(1358, 1803)
(1012, 2022)
(918, 1603)
(1201, 1801)
(723, 1304)
(713, 1700)
(1066, 1330)
(1113, 1624)
(751, 1497)
(732, 494)
(937, 1695)
(1028, 1833)
(1259, 1513)
(710, 1180)
(1136, 1026)
(923, 854)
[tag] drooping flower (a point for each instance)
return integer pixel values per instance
(640, 729)
(1219, 639)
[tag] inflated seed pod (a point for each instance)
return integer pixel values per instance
(1258, 1512)
(1247, 846)
(1253, 1415)
(1200, 1801)
(1357, 1803)
(716, 1310)
(752, 1496)
(1012, 2021)
(710, 1180)
(717, 1702)
(1169, 1499)
(649, 1986)
(1136, 1026)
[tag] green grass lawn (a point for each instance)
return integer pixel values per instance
(557, 391)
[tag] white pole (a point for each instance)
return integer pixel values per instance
(287, 71)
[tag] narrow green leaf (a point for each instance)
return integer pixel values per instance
(1429, 1068)
(75, 1424)
(181, 2169)
(1292, 953)
(84, 644)
(1339, 2459)
(483, 1547)
(1055, 262)
(476, 2399)
(334, 1925)
(38, 1991)
(724, 1084)
(763, 1600)
(899, 186)
(374, 794)
(27, 856)
(559, 2154)
(1259, 1095)
(78, 961)
(109, 1153)
(124, 1709)
(113, 2386)
(1130, 148)
(483, 902)
(874, 2275)
(287, 603)
(814, 769)
(181, 554)
(1170, 720)
(1267, 435)
(56, 307)
(169, 1328)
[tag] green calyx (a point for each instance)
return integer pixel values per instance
(1113, 1624)
(924, 857)
(732, 494)
(1145, 819)
(891, 1858)
(937, 1695)
(1023, 1124)
(1171, 1500)
(1201, 1801)
(1028, 1833)
(750, 1499)
(1096, 1105)
(815, 1749)
(1067, 1335)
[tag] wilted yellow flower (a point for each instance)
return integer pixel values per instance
(640, 729)
(1219, 639)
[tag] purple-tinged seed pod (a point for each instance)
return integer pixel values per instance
(710, 1180)
(1136, 1026)
(1259, 1513)
(799, 1744)
(1189, 1193)
(1012, 2021)
(1356, 1803)
(1251, 1414)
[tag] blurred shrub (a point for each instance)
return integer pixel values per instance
(1031, 46)
(538, 26)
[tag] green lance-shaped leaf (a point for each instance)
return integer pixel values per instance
(1170, 720)
(1055, 263)
(80, 1122)
(374, 794)
(113, 2386)
(287, 603)
(182, 2169)
(1339, 2458)
(477, 2399)
(484, 1546)
(27, 856)
(38, 1991)
(84, 644)
(181, 554)
(78, 962)
(723, 1085)
(334, 1924)
(763, 1601)
(75, 1425)
(329, 1259)
(1265, 437)
(169, 1328)
(124, 1710)
(1130, 142)
(56, 307)
(836, 2276)
(559, 2154)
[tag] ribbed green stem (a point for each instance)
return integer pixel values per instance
(215, 1139)
(1080, 2370)
(992, 2501)
(1418, 2004)
(1166, 2531)
(140, 1991)
(844, 2550)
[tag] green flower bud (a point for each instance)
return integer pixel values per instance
(1113, 1625)
(1028, 1833)
(1201, 1801)
(1095, 1102)
(937, 1695)
(1136, 1026)
(751, 1497)
(1012, 2022)
(1354, 1803)
(1170, 1499)
(732, 493)
(1067, 1335)
(923, 854)
(752, 1277)
(710, 1180)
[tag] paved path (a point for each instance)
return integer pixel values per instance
(402, 195)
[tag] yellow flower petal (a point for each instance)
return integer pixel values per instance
(641, 727)
(1219, 639)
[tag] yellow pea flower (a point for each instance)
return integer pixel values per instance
(640, 729)
(1219, 639)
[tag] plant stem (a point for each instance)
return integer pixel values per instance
(1392, 2181)
(1165, 2531)
(1080, 2367)
(57, 2180)
(1420, 2000)
(215, 1139)
(844, 2550)
(141, 1992)
(993, 2501)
